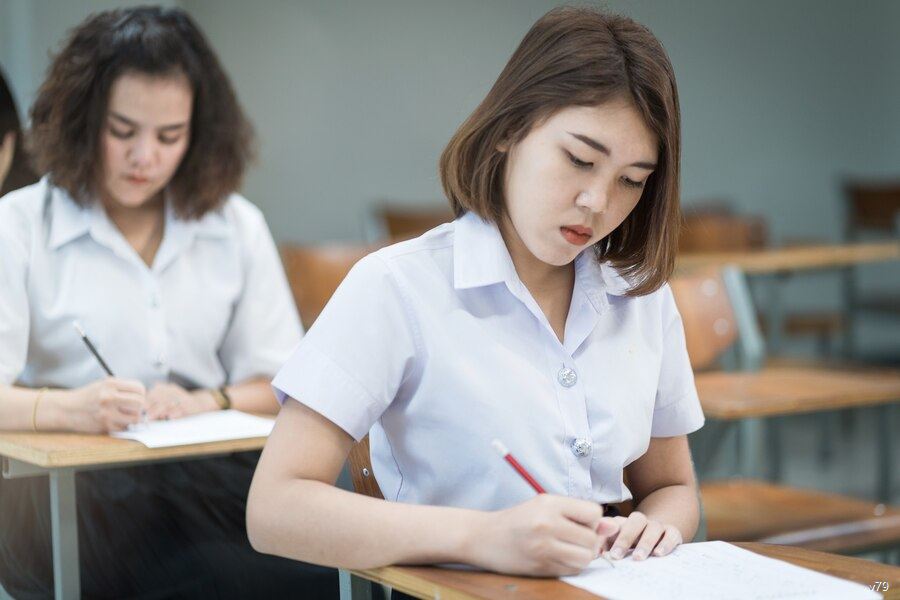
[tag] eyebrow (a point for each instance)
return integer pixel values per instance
(604, 150)
(131, 123)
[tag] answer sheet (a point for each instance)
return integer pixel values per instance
(199, 429)
(713, 571)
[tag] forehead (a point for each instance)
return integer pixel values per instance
(616, 124)
(152, 99)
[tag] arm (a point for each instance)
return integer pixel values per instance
(667, 497)
(171, 401)
(105, 405)
(294, 510)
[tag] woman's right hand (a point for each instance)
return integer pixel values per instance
(545, 536)
(110, 404)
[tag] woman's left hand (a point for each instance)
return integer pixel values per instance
(170, 401)
(644, 535)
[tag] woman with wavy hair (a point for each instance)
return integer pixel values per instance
(136, 231)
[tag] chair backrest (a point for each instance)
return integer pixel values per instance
(404, 222)
(720, 231)
(314, 273)
(873, 205)
(361, 470)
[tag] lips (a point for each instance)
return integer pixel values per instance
(136, 180)
(576, 234)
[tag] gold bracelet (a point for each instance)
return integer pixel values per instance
(37, 401)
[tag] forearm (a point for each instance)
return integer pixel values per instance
(315, 522)
(253, 395)
(676, 505)
(17, 409)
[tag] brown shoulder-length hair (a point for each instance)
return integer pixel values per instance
(70, 110)
(579, 57)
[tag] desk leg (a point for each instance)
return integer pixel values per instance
(885, 453)
(353, 587)
(64, 523)
(751, 447)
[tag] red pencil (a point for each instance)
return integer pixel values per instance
(504, 452)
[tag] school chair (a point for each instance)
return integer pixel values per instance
(715, 227)
(314, 273)
(872, 209)
(718, 317)
(401, 222)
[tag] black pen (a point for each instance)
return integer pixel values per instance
(93, 350)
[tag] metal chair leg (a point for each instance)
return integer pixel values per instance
(353, 587)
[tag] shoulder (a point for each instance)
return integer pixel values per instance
(241, 213)
(433, 250)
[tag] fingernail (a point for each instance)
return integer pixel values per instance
(639, 554)
(617, 553)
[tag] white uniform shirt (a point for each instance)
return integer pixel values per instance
(437, 346)
(213, 309)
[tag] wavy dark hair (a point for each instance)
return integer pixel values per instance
(20, 172)
(579, 57)
(70, 110)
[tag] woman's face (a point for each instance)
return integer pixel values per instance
(145, 136)
(575, 177)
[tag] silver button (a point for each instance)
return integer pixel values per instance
(567, 377)
(581, 447)
(160, 361)
(154, 301)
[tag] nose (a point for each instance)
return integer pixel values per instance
(142, 152)
(595, 199)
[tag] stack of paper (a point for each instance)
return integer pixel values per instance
(713, 571)
(199, 429)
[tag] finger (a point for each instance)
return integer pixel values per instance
(585, 512)
(671, 539)
(130, 402)
(651, 535)
(577, 534)
(129, 385)
(609, 530)
(571, 557)
(630, 530)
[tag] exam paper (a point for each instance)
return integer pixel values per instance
(199, 429)
(713, 571)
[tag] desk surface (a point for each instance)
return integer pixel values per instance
(53, 450)
(798, 258)
(447, 584)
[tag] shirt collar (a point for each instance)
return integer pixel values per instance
(480, 258)
(70, 221)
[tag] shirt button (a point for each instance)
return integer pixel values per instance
(567, 377)
(154, 301)
(160, 361)
(581, 447)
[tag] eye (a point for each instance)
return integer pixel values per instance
(169, 140)
(578, 162)
(121, 134)
(632, 183)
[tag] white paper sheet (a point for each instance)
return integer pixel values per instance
(199, 429)
(713, 571)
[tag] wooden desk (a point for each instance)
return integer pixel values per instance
(61, 455)
(447, 584)
(798, 258)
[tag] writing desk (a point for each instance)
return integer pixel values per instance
(449, 584)
(61, 455)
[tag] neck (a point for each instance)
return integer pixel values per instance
(135, 218)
